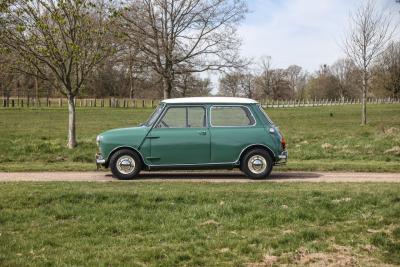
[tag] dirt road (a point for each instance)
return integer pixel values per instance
(212, 177)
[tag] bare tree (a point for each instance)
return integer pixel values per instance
(347, 76)
(247, 84)
(369, 33)
(190, 85)
(386, 74)
(184, 36)
(7, 74)
(323, 84)
(295, 75)
(64, 36)
(229, 84)
(264, 78)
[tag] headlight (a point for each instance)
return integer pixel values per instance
(98, 139)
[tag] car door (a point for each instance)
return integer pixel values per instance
(180, 137)
(232, 128)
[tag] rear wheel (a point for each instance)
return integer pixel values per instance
(125, 164)
(257, 164)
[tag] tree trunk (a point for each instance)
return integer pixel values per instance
(36, 91)
(71, 122)
(167, 87)
(130, 82)
(364, 98)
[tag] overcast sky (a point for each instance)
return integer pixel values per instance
(307, 33)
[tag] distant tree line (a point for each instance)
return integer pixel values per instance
(341, 80)
(139, 48)
(160, 48)
(132, 67)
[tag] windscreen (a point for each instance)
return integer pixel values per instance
(153, 117)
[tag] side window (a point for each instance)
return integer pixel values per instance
(231, 116)
(196, 117)
(183, 117)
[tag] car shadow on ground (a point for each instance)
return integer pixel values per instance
(221, 175)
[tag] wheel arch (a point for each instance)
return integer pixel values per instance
(256, 146)
(125, 147)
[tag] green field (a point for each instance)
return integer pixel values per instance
(319, 138)
(178, 224)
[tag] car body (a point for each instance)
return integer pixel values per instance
(196, 133)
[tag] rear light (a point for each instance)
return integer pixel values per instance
(283, 143)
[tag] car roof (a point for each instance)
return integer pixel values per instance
(210, 100)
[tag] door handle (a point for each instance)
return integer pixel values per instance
(152, 137)
(202, 133)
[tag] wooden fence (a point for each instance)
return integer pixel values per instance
(87, 102)
(325, 102)
(151, 103)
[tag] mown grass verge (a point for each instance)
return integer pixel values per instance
(178, 224)
(319, 138)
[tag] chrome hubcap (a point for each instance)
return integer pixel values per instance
(126, 164)
(257, 164)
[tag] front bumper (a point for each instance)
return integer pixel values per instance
(100, 161)
(283, 157)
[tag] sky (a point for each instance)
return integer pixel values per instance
(307, 33)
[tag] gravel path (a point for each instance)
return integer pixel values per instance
(212, 177)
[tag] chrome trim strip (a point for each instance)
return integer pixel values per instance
(193, 164)
(219, 105)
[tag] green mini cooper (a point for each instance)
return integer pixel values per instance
(196, 133)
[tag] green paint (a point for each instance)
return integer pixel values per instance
(187, 138)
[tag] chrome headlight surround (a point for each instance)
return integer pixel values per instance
(99, 138)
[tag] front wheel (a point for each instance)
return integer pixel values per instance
(257, 164)
(125, 164)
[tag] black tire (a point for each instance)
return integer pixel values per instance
(128, 156)
(265, 158)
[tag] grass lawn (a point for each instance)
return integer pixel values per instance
(319, 138)
(178, 224)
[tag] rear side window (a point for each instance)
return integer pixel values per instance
(231, 116)
(265, 114)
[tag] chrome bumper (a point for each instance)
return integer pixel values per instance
(99, 160)
(283, 157)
